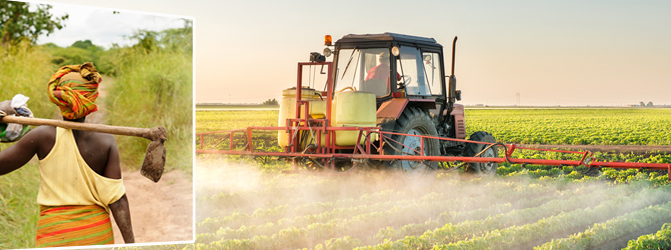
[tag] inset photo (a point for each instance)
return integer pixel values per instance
(96, 125)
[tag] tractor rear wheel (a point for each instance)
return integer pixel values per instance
(472, 149)
(414, 121)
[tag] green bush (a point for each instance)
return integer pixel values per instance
(154, 88)
(26, 70)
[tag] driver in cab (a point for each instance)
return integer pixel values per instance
(381, 71)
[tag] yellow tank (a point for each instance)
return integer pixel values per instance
(318, 109)
(288, 109)
(353, 109)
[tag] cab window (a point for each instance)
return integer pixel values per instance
(432, 72)
(410, 65)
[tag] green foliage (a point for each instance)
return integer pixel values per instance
(84, 51)
(26, 70)
(343, 243)
(276, 216)
(271, 102)
(660, 240)
(86, 44)
(515, 236)
(215, 120)
(154, 88)
(178, 39)
(573, 126)
(72, 56)
(19, 22)
(613, 229)
(18, 211)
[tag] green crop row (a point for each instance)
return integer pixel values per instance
(518, 235)
(365, 220)
(321, 212)
(457, 232)
(390, 234)
(331, 225)
(601, 233)
(573, 126)
(526, 126)
(658, 241)
(210, 121)
(301, 217)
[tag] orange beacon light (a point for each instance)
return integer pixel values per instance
(327, 40)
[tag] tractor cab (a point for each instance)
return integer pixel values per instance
(403, 72)
(389, 63)
(390, 66)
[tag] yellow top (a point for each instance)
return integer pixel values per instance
(66, 179)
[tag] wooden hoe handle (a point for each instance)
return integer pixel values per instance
(152, 134)
(154, 160)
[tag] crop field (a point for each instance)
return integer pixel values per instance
(244, 204)
(527, 126)
(603, 126)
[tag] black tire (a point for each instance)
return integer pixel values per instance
(472, 149)
(415, 173)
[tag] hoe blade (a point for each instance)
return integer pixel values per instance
(154, 161)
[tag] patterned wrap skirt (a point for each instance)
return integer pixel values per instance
(73, 226)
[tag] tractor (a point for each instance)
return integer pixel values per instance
(419, 100)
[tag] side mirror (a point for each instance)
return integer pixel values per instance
(452, 88)
(316, 57)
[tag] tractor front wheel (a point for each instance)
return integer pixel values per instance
(472, 149)
(414, 121)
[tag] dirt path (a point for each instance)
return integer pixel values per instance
(162, 211)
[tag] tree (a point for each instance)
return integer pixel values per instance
(271, 102)
(86, 44)
(170, 39)
(19, 22)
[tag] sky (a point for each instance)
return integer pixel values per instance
(567, 53)
(110, 27)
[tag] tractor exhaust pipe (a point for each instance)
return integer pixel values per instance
(454, 46)
(453, 80)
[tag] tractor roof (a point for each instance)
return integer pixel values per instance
(384, 37)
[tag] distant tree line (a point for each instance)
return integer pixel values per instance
(271, 102)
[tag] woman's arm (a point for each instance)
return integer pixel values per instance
(120, 209)
(22, 151)
(121, 214)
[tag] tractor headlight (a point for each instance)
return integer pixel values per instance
(395, 51)
(327, 52)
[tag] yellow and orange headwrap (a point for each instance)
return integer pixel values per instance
(74, 88)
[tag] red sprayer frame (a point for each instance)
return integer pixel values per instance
(323, 131)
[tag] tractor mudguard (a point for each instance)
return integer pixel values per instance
(392, 109)
(389, 111)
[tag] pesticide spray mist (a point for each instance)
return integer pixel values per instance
(243, 206)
